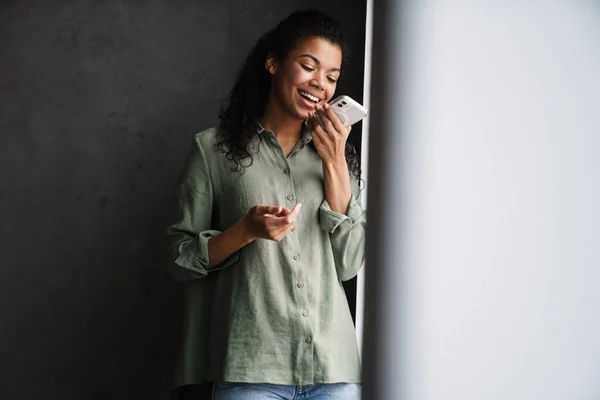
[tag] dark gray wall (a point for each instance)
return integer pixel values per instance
(98, 102)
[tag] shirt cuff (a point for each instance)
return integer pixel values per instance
(197, 259)
(331, 220)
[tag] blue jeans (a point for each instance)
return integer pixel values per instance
(261, 391)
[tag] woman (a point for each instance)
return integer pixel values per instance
(270, 225)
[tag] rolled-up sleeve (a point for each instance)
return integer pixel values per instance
(187, 258)
(347, 234)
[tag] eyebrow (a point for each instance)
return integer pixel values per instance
(315, 59)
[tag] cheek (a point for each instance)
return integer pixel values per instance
(296, 75)
(282, 85)
(331, 91)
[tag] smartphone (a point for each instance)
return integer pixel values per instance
(349, 111)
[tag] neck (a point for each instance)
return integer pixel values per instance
(276, 119)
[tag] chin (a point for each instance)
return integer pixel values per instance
(301, 112)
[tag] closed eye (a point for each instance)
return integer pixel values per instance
(311, 69)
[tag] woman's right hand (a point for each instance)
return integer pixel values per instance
(270, 222)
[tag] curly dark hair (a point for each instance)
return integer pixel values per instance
(248, 98)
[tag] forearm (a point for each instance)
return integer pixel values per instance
(337, 185)
(227, 243)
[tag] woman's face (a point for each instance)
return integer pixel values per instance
(306, 77)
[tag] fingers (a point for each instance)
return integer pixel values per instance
(276, 221)
(315, 117)
(323, 122)
(291, 217)
(329, 121)
(326, 125)
(333, 118)
(268, 210)
(284, 211)
(281, 226)
(275, 211)
(319, 135)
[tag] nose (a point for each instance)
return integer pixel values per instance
(318, 81)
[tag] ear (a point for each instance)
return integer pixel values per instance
(271, 64)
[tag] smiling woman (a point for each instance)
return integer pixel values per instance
(309, 41)
(267, 313)
(305, 81)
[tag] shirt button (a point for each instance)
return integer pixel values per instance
(296, 257)
(300, 284)
(307, 339)
(290, 197)
(286, 171)
(305, 313)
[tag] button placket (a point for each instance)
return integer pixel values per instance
(291, 192)
(303, 300)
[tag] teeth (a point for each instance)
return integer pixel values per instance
(310, 96)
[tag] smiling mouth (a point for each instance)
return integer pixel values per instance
(309, 96)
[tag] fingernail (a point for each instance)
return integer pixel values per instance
(326, 106)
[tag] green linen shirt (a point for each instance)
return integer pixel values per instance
(273, 312)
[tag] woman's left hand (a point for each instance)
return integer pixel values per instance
(329, 134)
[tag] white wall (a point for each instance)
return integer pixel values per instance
(489, 280)
(360, 280)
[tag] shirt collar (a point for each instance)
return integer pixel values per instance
(306, 135)
(305, 138)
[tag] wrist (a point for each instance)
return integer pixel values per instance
(245, 231)
(336, 164)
